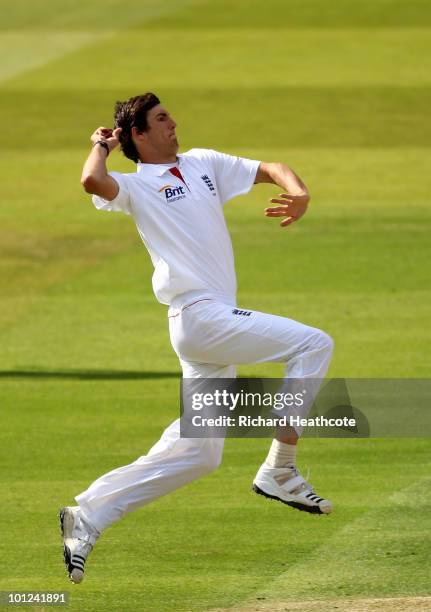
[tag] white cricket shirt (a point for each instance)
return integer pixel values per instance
(178, 212)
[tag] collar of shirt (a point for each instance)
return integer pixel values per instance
(158, 169)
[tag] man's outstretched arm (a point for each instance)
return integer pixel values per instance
(95, 178)
(294, 202)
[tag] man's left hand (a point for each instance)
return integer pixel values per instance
(292, 207)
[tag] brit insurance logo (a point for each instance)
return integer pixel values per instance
(173, 193)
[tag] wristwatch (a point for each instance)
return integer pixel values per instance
(103, 144)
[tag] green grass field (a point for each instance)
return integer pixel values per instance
(341, 91)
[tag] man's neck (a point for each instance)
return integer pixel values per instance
(158, 159)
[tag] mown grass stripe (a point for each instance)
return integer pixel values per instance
(297, 14)
(22, 51)
(312, 57)
(299, 117)
(346, 564)
(97, 15)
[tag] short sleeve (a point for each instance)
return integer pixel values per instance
(234, 175)
(121, 203)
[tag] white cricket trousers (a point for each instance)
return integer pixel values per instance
(209, 335)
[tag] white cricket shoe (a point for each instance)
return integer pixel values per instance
(79, 538)
(286, 484)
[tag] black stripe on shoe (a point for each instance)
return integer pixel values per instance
(296, 505)
(61, 517)
(77, 560)
(77, 566)
(67, 559)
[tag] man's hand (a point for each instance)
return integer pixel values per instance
(111, 137)
(293, 204)
(95, 178)
(292, 207)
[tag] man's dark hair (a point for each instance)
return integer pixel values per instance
(133, 113)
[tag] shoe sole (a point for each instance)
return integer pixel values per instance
(292, 504)
(75, 574)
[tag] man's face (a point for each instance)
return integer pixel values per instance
(161, 130)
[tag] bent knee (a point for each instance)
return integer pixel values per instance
(212, 462)
(211, 456)
(322, 341)
(328, 342)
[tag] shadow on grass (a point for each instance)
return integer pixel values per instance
(87, 374)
